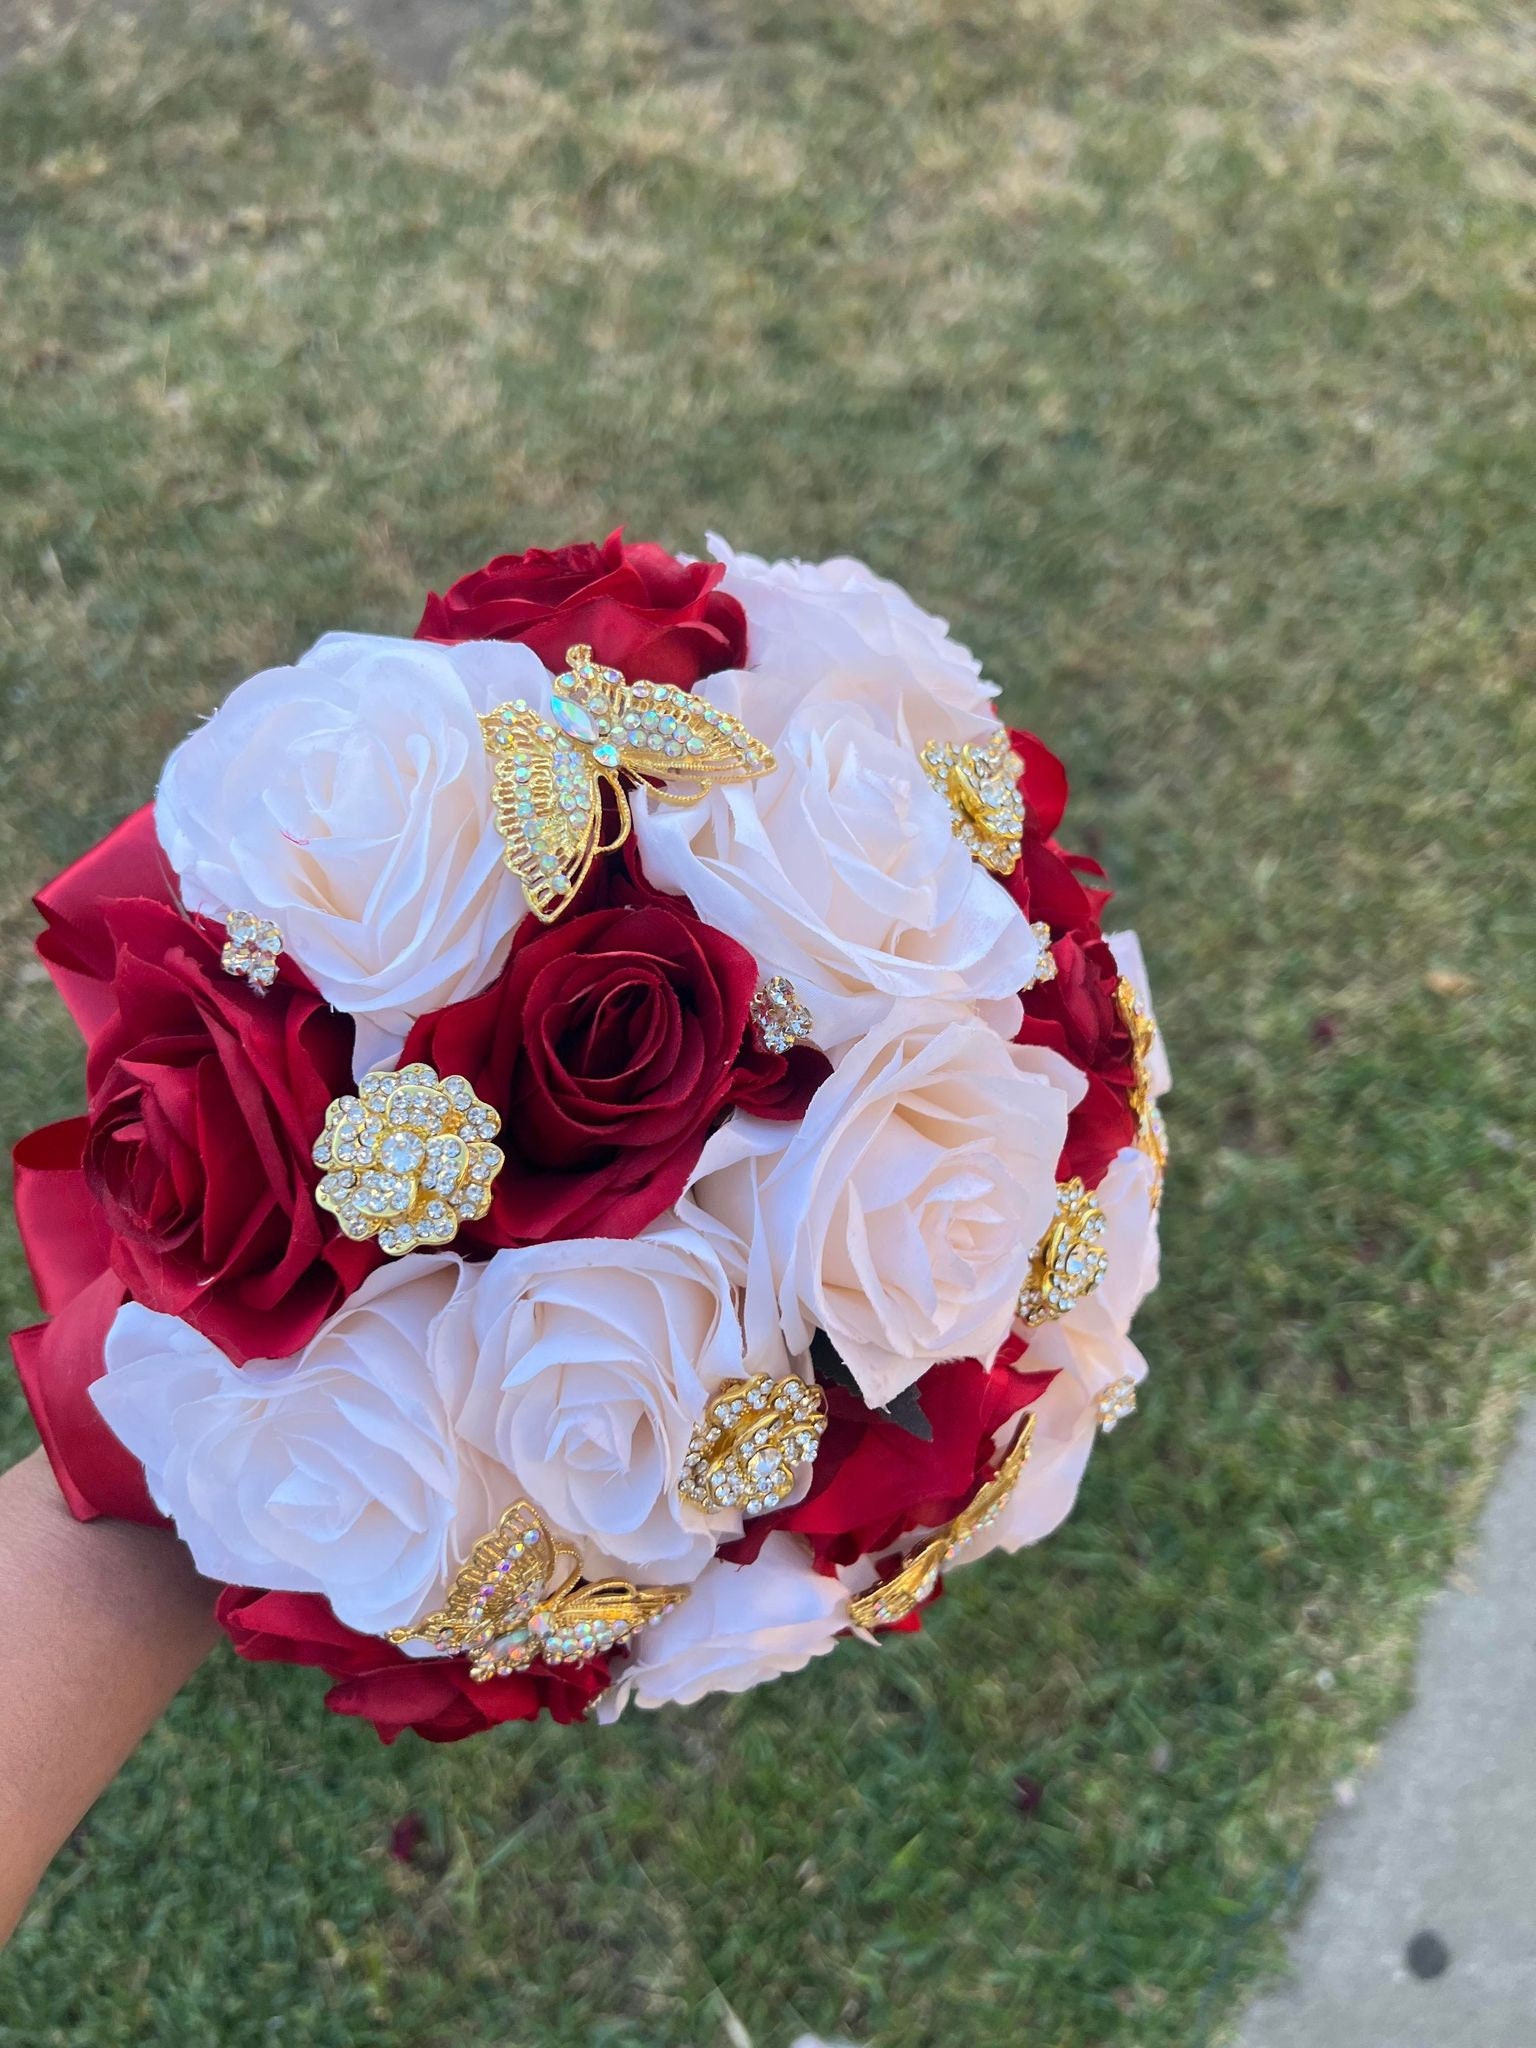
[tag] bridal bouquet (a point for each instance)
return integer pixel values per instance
(617, 1150)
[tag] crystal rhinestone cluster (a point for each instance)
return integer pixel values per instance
(548, 798)
(1069, 1261)
(1116, 1403)
(653, 728)
(408, 1158)
(499, 1584)
(753, 1435)
(1045, 963)
(980, 783)
(779, 1017)
(251, 947)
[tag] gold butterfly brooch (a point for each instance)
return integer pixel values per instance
(519, 1599)
(551, 771)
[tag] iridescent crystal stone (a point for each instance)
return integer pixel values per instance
(574, 718)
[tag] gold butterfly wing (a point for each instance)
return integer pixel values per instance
(896, 1597)
(663, 736)
(611, 1602)
(547, 793)
(989, 1500)
(501, 1579)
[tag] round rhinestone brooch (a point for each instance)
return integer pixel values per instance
(753, 1435)
(1069, 1261)
(980, 783)
(408, 1158)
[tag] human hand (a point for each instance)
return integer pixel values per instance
(101, 1623)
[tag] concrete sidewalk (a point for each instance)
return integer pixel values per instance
(1421, 1932)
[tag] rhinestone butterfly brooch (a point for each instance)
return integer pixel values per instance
(519, 1599)
(551, 771)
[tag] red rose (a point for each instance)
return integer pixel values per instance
(1042, 784)
(62, 1231)
(638, 607)
(1047, 884)
(189, 1182)
(68, 1250)
(611, 1044)
(434, 1696)
(873, 1481)
(184, 1186)
(1076, 1014)
(204, 1100)
(75, 944)
(775, 1085)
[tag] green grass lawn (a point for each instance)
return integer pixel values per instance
(1183, 355)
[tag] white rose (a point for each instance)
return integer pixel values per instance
(348, 799)
(841, 870)
(838, 629)
(333, 1472)
(1088, 1349)
(594, 1360)
(900, 1214)
(741, 1624)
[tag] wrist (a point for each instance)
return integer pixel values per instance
(101, 1623)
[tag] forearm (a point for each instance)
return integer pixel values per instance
(100, 1624)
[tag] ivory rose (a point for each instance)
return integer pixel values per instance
(337, 1471)
(594, 1358)
(1089, 1349)
(349, 799)
(740, 1625)
(841, 870)
(899, 1216)
(838, 630)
